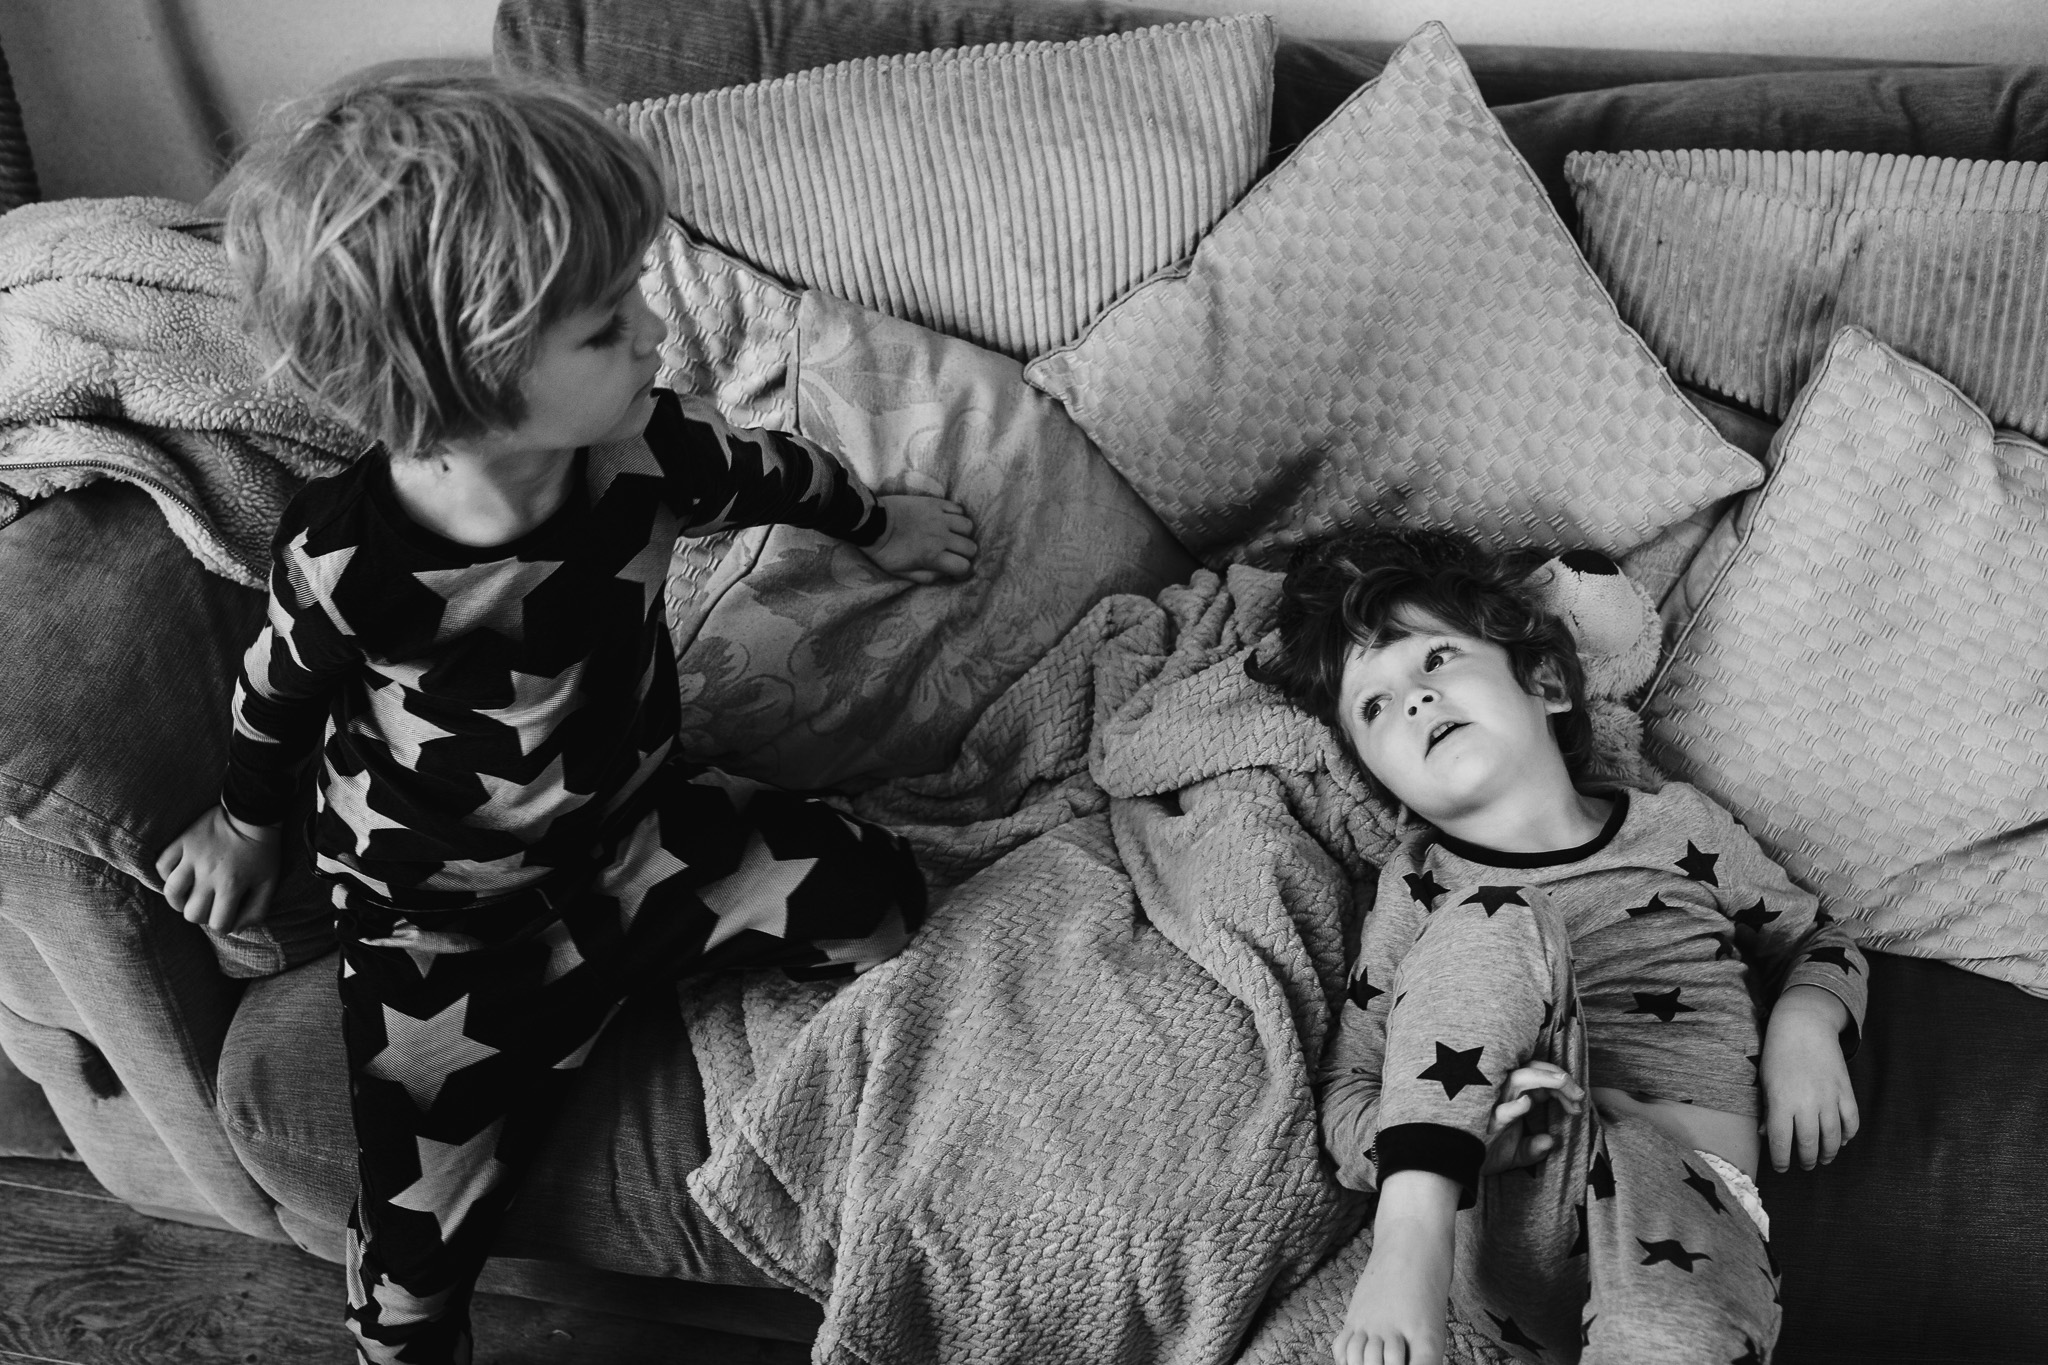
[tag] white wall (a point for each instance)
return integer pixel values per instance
(151, 96)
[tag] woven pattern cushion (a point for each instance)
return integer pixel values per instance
(1738, 266)
(1862, 682)
(1392, 327)
(1004, 193)
(801, 663)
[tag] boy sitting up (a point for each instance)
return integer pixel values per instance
(1534, 943)
(468, 626)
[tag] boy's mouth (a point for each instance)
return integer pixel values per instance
(1438, 731)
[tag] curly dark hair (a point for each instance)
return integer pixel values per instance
(1355, 589)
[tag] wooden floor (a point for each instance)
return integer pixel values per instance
(85, 1280)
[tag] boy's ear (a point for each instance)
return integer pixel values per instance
(1557, 698)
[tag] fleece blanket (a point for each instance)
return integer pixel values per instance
(1074, 1120)
(122, 356)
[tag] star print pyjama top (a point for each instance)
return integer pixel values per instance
(490, 714)
(1678, 926)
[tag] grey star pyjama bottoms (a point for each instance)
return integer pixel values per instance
(1619, 1246)
(459, 1060)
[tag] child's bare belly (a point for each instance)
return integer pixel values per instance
(1732, 1137)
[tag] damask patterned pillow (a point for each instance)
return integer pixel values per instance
(801, 663)
(1393, 326)
(1862, 682)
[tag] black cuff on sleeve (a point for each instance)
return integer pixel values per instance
(1447, 1152)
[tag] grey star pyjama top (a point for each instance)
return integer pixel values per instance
(1679, 925)
(489, 712)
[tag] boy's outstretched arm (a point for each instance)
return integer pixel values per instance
(1809, 1106)
(925, 539)
(221, 871)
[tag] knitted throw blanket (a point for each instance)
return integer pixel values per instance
(1073, 1121)
(121, 356)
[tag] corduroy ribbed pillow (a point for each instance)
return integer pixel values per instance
(1393, 327)
(1862, 683)
(1738, 266)
(1004, 194)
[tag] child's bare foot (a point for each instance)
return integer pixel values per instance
(1396, 1315)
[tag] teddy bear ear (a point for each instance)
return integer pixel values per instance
(1611, 619)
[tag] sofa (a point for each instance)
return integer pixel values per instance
(198, 1077)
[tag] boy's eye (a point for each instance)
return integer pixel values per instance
(610, 332)
(1371, 710)
(1435, 658)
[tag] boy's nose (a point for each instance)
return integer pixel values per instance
(1419, 700)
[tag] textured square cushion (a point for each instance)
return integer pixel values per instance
(1005, 194)
(1392, 327)
(1862, 683)
(1737, 266)
(801, 663)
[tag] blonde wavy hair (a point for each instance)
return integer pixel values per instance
(400, 245)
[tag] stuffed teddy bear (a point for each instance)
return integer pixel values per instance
(1618, 633)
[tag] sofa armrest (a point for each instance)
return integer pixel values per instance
(117, 1008)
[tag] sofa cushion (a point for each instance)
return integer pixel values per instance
(969, 190)
(1861, 684)
(1738, 266)
(1391, 327)
(802, 664)
(607, 1189)
(118, 653)
(1921, 1241)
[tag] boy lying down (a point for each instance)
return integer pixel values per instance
(1536, 944)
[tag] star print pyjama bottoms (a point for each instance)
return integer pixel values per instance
(1620, 1245)
(459, 1060)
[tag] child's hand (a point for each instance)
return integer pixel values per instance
(221, 872)
(1808, 1103)
(927, 537)
(1514, 1139)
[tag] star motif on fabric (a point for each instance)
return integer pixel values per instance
(1513, 1335)
(1423, 887)
(1698, 865)
(485, 596)
(1725, 949)
(1663, 1004)
(870, 950)
(1582, 1242)
(1455, 1070)
(563, 955)
(756, 894)
(649, 762)
(398, 1308)
(403, 733)
(1670, 1251)
(348, 796)
(1821, 916)
(649, 569)
(314, 577)
(528, 809)
(1361, 991)
(1492, 898)
(1756, 917)
(466, 874)
(1600, 1178)
(1834, 957)
(640, 866)
(1586, 1330)
(1750, 1354)
(738, 790)
(538, 702)
(581, 1054)
(453, 1176)
(1705, 1186)
(1549, 1013)
(1649, 907)
(421, 1054)
(1756, 1063)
